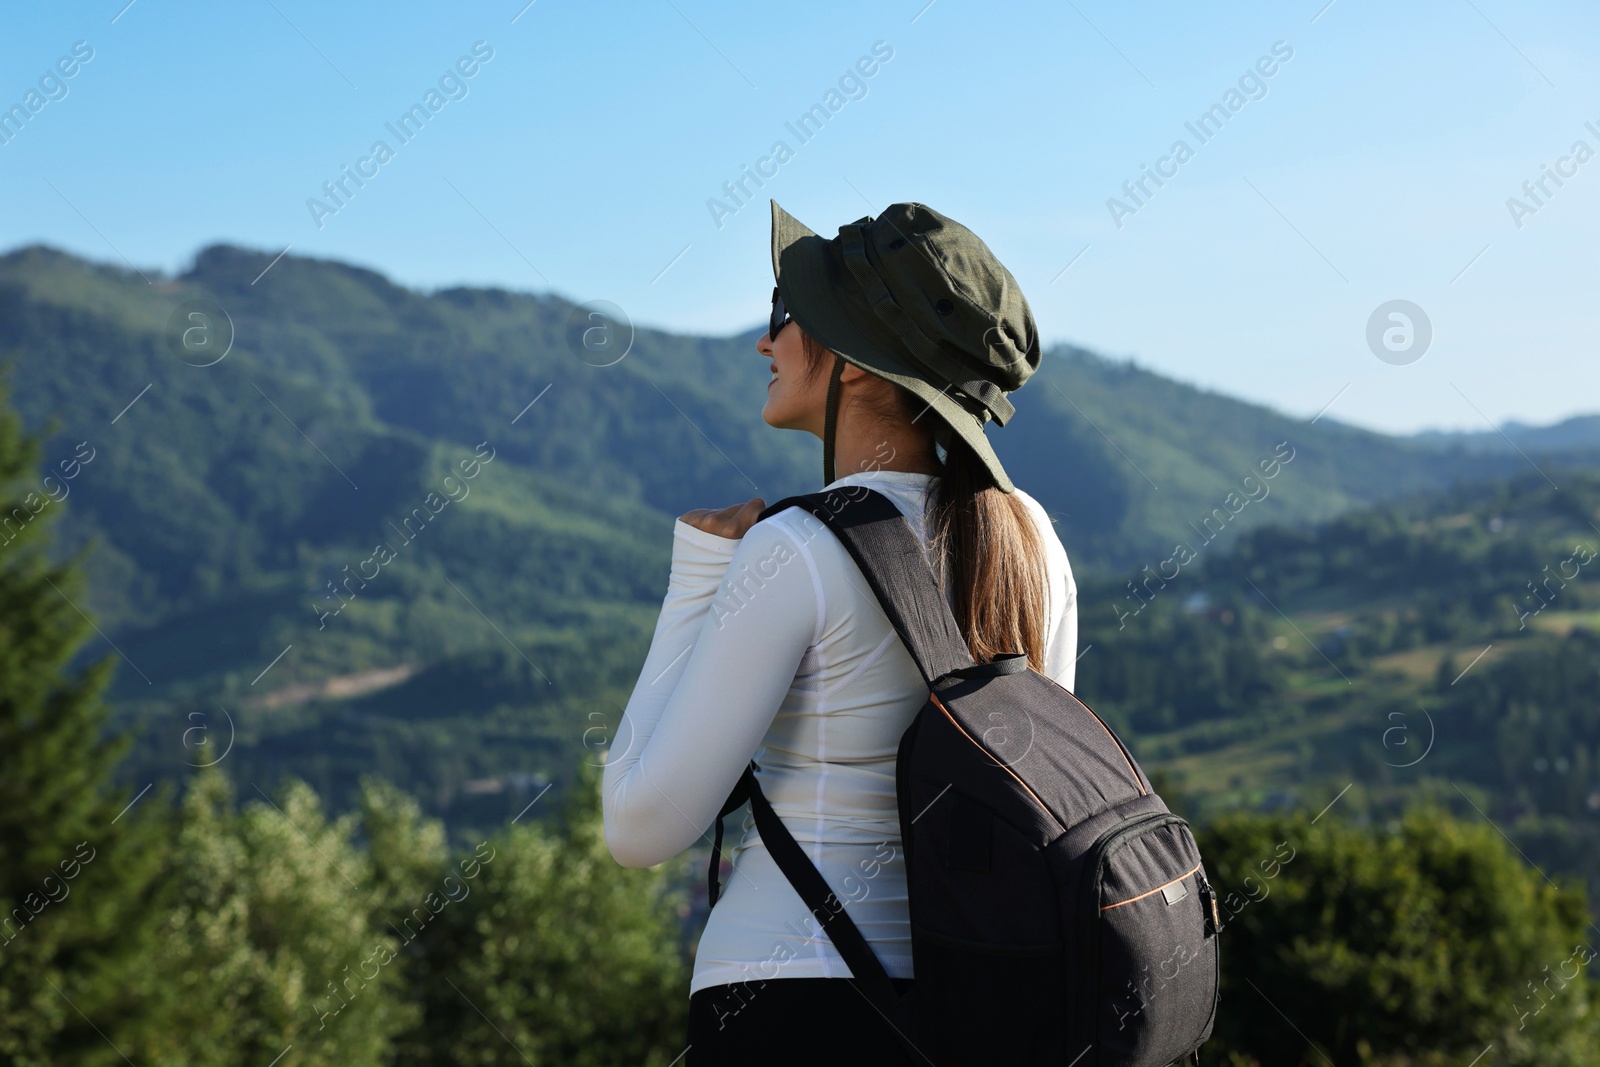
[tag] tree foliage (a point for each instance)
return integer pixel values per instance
(79, 869)
(270, 948)
(1422, 943)
(558, 952)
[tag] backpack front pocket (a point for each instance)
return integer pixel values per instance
(1151, 954)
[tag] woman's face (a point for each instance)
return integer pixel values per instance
(793, 403)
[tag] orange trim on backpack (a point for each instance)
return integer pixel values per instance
(940, 705)
(1152, 892)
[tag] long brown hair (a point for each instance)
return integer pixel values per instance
(985, 541)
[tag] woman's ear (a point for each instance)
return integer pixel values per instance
(852, 372)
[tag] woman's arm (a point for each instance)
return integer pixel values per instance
(724, 653)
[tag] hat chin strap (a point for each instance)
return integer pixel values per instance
(830, 420)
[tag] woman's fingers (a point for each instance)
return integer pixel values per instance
(747, 514)
(730, 522)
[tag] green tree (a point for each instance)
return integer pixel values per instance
(419, 893)
(1422, 944)
(270, 949)
(78, 882)
(558, 956)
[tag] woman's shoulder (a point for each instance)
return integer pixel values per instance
(1041, 516)
(1053, 547)
(794, 524)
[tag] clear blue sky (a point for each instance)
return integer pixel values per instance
(1377, 165)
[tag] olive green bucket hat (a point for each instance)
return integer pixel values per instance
(917, 298)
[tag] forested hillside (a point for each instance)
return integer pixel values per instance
(1445, 647)
(424, 535)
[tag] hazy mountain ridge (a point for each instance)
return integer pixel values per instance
(1579, 431)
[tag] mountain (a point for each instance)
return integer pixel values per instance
(1578, 432)
(425, 534)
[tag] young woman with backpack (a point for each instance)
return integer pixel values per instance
(895, 343)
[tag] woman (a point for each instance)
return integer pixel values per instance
(770, 645)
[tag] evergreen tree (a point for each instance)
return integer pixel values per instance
(78, 886)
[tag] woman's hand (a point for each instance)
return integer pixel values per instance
(730, 522)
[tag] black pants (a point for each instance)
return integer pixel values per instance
(791, 1021)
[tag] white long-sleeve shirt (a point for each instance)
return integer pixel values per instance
(773, 646)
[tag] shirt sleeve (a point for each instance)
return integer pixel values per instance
(1061, 658)
(737, 619)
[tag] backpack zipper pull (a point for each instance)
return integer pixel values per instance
(1214, 924)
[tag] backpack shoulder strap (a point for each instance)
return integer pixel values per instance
(824, 905)
(866, 970)
(885, 548)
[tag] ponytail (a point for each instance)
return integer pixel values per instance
(990, 553)
(985, 542)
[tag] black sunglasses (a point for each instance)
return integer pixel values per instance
(780, 315)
